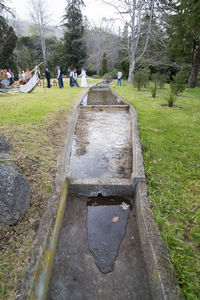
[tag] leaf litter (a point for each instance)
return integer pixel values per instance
(125, 206)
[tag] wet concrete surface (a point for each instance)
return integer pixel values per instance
(102, 146)
(107, 218)
(75, 274)
(103, 97)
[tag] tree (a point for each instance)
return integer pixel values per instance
(74, 48)
(56, 56)
(141, 78)
(100, 39)
(104, 69)
(184, 23)
(38, 12)
(8, 37)
(124, 61)
(28, 51)
(134, 14)
(178, 84)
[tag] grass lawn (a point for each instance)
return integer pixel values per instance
(35, 124)
(170, 140)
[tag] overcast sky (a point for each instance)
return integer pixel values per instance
(94, 10)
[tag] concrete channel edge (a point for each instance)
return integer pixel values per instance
(161, 273)
(37, 275)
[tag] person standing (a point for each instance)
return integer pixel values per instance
(27, 75)
(48, 77)
(59, 77)
(83, 78)
(12, 80)
(119, 78)
(75, 78)
(71, 79)
(19, 73)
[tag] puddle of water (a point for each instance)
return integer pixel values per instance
(106, 224)
(104, 97)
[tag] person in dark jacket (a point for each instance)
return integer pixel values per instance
(48, 77)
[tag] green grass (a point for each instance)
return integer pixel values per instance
(35, 124)
(37, 106)
(170, 139)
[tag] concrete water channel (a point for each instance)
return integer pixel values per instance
(99, 256)
(100, 241)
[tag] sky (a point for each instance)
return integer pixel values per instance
(94, 10)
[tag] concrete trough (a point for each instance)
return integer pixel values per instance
(55, 273)
(105, 153)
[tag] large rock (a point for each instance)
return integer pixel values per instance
(5, 145)
(14, 194)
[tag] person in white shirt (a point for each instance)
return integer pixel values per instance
(119, 78)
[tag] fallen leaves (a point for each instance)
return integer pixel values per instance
(115, 219)
(124, 206)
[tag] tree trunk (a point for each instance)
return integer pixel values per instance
(131, 70)
(43, 46)
(195, 69)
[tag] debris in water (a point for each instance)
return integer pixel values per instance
(115, 219)
(124, 206)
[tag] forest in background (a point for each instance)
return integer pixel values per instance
(161, 36)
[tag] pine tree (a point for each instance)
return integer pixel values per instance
(183, 30)
(104, 64)
(8, 38)
(124, 57)
(74, 48)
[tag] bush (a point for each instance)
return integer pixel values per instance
(155, 78)
(141, 79)
(159, 78)
(171, 98)
(162, 81)
(153, 92)
(107, 76)
(198, 81)
(178, 84)
(114, 73)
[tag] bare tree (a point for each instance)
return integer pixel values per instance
(135, 13)
(100, 39)
(38, 13)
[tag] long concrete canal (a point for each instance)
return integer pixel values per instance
(99, 255)
(100, 240)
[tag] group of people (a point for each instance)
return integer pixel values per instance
(72, 77)
(7, 77)
(24, 76)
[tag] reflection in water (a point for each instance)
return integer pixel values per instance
(104, 97)
(102, 145)
(106, 223)
(85, 99)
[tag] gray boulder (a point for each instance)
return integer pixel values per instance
(5, 145)
(14, 194)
